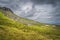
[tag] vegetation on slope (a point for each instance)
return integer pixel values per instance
(13, 30)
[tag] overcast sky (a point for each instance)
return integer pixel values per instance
(45, 11)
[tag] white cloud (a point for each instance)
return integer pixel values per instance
(27, 7)
(42, 11)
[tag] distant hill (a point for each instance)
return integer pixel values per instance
(13, 27)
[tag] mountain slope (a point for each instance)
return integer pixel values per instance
(11, 29)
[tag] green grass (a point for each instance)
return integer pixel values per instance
(13, 30)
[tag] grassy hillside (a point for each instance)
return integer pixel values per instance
(7, 12)
(13, 30)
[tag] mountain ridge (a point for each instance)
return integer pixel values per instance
(9, 13)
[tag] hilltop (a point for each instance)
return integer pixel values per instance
(13, 27)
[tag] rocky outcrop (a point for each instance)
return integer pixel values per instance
(6, 9)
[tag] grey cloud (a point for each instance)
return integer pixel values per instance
(53, 2)
(45, 1)
(13, 4)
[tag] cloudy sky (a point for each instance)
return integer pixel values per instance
(44, 11)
